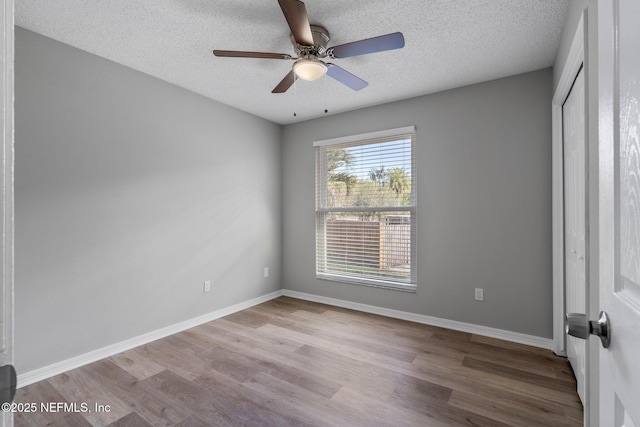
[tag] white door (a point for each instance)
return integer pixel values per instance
(618, 34)
(573, 130)
(7, 375)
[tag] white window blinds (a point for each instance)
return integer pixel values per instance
(366, 209)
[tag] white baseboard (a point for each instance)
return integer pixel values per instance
(104, 352)
(101, 353)
(516, 337)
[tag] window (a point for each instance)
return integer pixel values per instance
(366, 209)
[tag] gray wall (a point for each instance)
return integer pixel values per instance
(130, 192)
(484, 203)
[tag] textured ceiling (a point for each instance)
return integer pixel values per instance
(449, 43)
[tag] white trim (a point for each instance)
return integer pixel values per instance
(411, 208)
(7, 218)
(75, 362)
(367, 281)
(363, 136)
(516, 337)
(574, 61)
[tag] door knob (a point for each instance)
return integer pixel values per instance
(580, 327)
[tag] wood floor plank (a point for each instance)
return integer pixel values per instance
(154, 407)
(350, 349)
(507, 410)
(78, 387)
(130, 420)
(425, 372)
(377, 382)
(242, 344)
(300, 323)
(301, 304)
(515, 403)
(542, 362)
(44, 392)
(234, 365)
(241, 362)
(384, 411)
(510, 345)
(246, 408)
(266, 340)
(280, 306)
(318, 410)
(432, 412)
(290, 362)
(285, 366)
(372, 327)
(182, 361)
(544, 357)
(574, 414)
(207, 420)
(137, 364)
(418, 392)
(249, 318)
(380, 324)
(463, 378)
(518, 374)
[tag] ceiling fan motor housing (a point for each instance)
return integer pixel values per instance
(320, 41)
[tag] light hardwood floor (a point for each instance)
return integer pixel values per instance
(289, 362)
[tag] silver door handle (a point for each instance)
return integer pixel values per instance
(580, 327)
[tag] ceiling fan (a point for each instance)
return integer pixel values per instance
(310, 45)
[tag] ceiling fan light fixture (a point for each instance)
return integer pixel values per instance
(309, 69)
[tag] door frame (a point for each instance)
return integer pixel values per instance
(7, 45)
(575, 61)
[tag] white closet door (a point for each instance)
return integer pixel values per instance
(573, 119)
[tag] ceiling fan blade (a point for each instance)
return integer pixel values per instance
(286, 83)
(372, 45)
(295, 13)
(243, 54)
(345, 77)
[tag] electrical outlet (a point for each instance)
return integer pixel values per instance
(479, 294)
(266, 272)
(207, 286)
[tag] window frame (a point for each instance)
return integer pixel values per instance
(321, 189)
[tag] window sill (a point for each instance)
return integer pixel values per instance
(395, 286)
